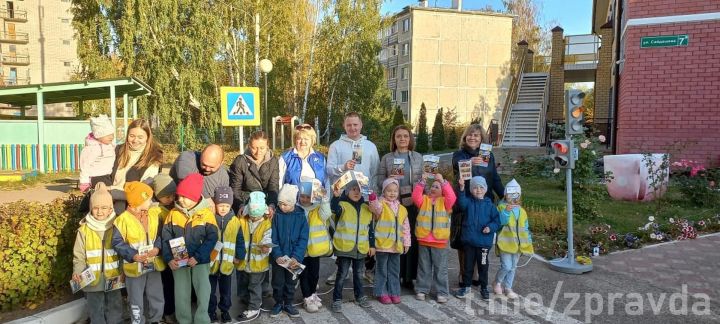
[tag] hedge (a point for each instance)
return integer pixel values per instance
(36, 242)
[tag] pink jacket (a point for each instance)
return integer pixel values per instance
(96, 159)
(376, 208)
(449, 195)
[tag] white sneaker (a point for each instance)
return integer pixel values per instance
(510, 294)
(310, 305)
(317, 300)
(420, 296)
(249, 314)
(497, 288)
(442, 299)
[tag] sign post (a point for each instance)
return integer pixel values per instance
(240, 106)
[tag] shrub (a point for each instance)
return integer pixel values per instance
(438, 132)
(36, 242)
(421, 144)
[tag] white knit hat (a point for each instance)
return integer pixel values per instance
(101, 126)
(288, 194)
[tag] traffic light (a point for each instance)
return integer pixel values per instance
(574, 120)
(563, 154)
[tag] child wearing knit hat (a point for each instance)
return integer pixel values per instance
(164, 188)
(514, 239)
(193, 222)
(480, 223)
(227, 251)
(392, 238)
(136, 239)
(290, 234)
(319, 244)
(98, 155)
(253, 262)
(89, 253)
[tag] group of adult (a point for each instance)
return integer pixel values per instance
(140, 158)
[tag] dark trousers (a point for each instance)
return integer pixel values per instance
(283, 285)
(225, 282)
(479, 256)
(168, 291)
(310, 276)
(344, 264)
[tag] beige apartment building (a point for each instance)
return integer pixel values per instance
(450, 58)
(37, 45)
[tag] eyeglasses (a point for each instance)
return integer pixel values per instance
(303, 126)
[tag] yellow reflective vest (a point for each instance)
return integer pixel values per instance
(161, 213)
(352, 230)
(259, 262)
(99, 254)
(228, 237)
(389, 228)
(514, 237)
(134, 235)
(319, 239)
(433, 218)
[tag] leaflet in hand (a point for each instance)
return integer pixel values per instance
(86, 277)
(295, 272)
(465, 169)
(512, 196)
(430, 165)
(313, 188)
(398, 168)
(350, 176)
(149, 265)
(179, 251)
(484, 156)
(115, 283)
(357, 152)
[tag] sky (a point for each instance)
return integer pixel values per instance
(574, 16)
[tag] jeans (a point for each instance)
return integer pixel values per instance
(358, 267)
(506, 273)
(283, 285)
(432, 267)
(224, 282)
(387, 274)
(104, 307)
(310, 276)
(479, 256)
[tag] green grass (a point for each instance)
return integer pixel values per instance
(29, 182)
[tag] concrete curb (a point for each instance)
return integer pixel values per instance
(71, 312)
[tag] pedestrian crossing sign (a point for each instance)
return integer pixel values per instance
(240, 106)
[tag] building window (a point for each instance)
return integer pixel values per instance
(66, 42)
(406, 49)
(393, 28)
(394, 50)
(66, 63)
(406, 24)
(404, 73)
(394, 95)
(65, 21)
(393, 73)
(404, 96)
(13, 48)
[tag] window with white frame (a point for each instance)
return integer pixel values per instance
(406, 24)
(406, 49)
(393, 28)
(404, 73)
(393, 73)
(394, 50)
(404, 96)
(394, 95)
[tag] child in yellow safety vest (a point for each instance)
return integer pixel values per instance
(136, 238)
(392, 238)
(254, 245)
(513, 239)
(433, 231)
(319, 245)
(164, 188)
(93, 250)
(225, 253)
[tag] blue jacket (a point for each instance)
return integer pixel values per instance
(290, 232)
(489, 173)
(293, 164)
(479, 213)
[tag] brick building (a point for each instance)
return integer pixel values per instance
(665, 80)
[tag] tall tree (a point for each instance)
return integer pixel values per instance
(438, 132)
(421, 144)
(398, 118)
(525, 26)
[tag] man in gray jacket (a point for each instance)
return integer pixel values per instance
(209, 163)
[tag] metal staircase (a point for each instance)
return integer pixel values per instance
(524, 124)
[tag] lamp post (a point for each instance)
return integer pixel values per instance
(266, 66)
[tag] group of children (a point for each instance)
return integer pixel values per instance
(141, 245)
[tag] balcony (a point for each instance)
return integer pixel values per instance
(14, 15)
(19, 60)
(8, 82)
(14, 38)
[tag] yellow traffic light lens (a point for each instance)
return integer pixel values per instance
(577, 112)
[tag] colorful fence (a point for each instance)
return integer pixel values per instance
(58, 157)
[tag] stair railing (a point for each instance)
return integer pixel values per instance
(543, 110)
(512, 96)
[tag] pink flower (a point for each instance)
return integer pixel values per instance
(701, 223)
(584, 145)
(601, 138)
(613, 237)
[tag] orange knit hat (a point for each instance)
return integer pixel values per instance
(137, 193)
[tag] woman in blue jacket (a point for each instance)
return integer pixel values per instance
(302, 160)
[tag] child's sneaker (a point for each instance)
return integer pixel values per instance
(310, 305)
(213, 317)
(336, 306)
(485, 293)
(497, 288)
(169, 319)
(225, 317)
(249, 314)
(395, 299)
(511, 294)
(385, 299)
(276, 310)
(442, 299)
(363, 302)
(462, 292)
(316, 299)
(420, 296)
(291, 311)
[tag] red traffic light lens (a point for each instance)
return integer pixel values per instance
(560, 148)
